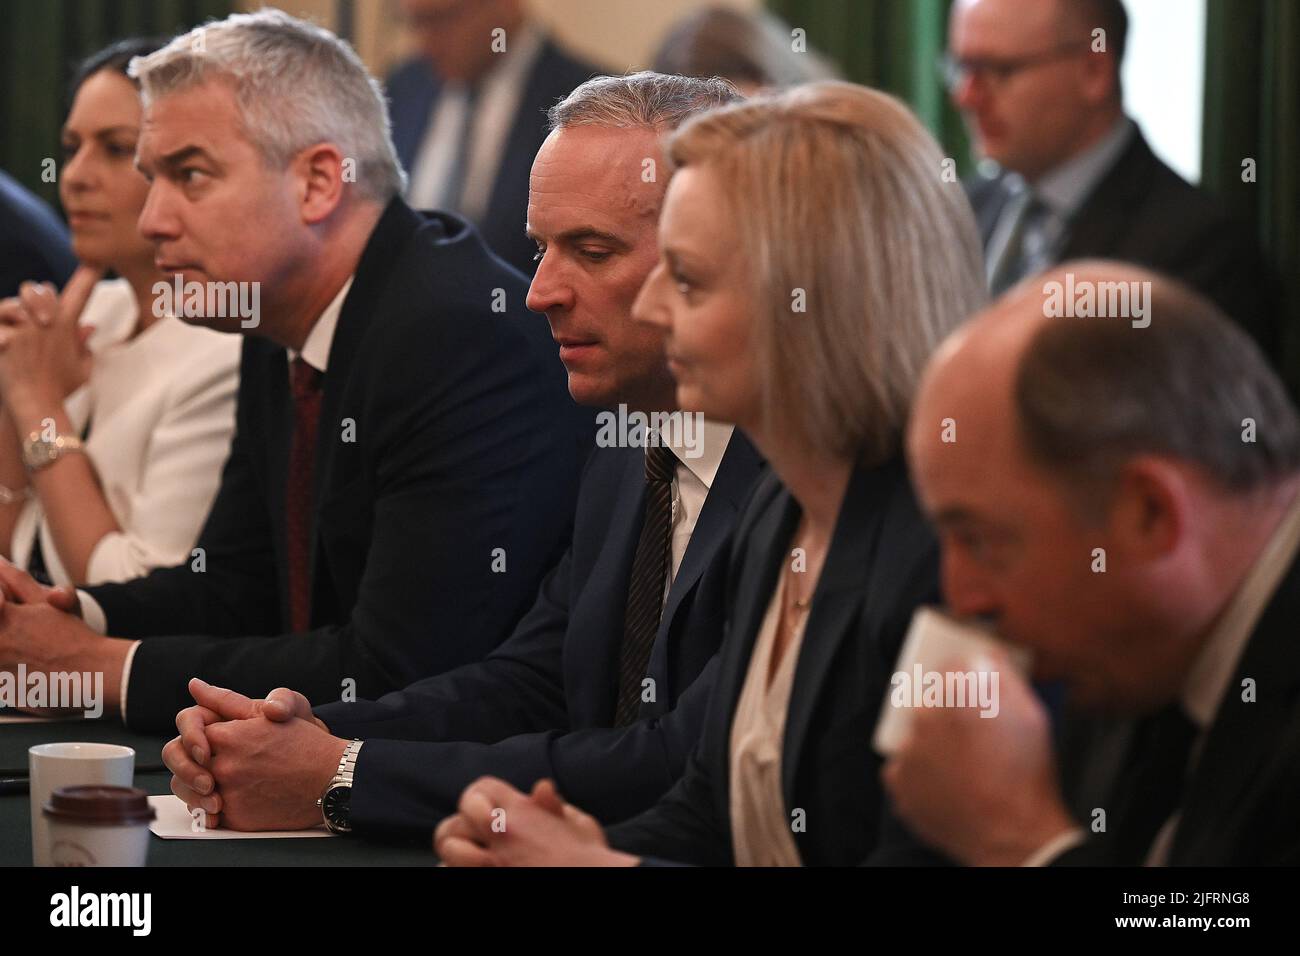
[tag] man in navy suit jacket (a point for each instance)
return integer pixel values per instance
(544, 703)
(447, 452)
(519, 66)
(33, 242)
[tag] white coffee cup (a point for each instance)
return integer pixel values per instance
(934, 642)
(99, 826)
(70, 765)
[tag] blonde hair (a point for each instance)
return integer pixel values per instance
(840, 199)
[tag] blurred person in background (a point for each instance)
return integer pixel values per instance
(751, 48)
(156, 395)
(469, 112)
(1038, 82)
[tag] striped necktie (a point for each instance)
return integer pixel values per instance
(645, 593)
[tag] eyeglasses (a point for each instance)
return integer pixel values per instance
(997, 72)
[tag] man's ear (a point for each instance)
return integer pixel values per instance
(1151, 508)
(1097, 77)
(319, 172)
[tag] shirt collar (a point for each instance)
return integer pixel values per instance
(316, 350)
(1216, 663)
(710, 443)
(1065, 188)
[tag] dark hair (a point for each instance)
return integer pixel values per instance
(115, 57)
(1110, 16)
(1092, 393)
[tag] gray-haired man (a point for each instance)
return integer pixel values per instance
(406, 456)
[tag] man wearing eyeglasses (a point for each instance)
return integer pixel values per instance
(1038, 82)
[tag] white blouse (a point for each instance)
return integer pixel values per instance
(161, 407)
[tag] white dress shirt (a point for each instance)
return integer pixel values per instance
(692, 479)
(499, 94)
(315, 352)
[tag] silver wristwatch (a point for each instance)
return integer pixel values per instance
(335, 803)
(40, 452)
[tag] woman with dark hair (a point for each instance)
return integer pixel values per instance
(115, 417)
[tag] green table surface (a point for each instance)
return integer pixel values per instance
(15, 811)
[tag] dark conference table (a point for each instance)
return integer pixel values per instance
(15, 811)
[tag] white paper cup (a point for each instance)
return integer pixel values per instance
(98, 826)
(70, 765)
(934, 642)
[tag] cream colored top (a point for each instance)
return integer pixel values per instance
(162, 410)
(761, 831)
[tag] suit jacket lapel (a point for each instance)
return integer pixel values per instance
(1106, 213)
(1243, 740)
(767, 543)
(394, 229)
(841, 590)
(740, 464)
(988, 213)
(279, 433)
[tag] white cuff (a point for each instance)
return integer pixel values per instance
(126, 678)
(1057, 845)
(92, 613)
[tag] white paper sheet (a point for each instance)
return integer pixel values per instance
(174, 823)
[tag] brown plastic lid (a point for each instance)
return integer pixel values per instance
(100, 806)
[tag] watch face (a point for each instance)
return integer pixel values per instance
(336, 804)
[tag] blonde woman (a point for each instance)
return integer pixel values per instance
(812, 258)
(114, 420)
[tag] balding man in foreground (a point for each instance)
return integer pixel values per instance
(1121, 499)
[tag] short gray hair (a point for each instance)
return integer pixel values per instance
(296, 84)
(642, 100)
(1092, 393)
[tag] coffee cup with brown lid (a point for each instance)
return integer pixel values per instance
(98, 826)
